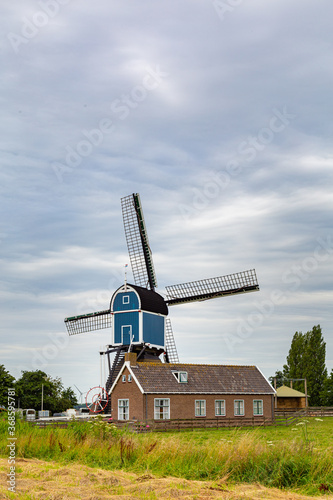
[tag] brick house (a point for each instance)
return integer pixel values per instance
(155, 390)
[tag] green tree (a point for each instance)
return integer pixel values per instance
(327, 392)
(279, 379)
(295, 359)
(315, 370)
(33, 385)
(6, 381)
(306, 359)
(68, 399)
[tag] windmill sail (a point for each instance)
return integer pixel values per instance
(231, 284)
(137, 242)
(170, 346)
(88, 322)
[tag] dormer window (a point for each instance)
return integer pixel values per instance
(181, 377)
(126, 299)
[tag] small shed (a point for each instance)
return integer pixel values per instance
(288, 398)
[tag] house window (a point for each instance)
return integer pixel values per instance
(123, 378)
(200, 408)
(181, 377)
(126, 299)
(123, 409)
(258, 408)
(219, 407)
(239, 407)
(161, 409)
(129, 378)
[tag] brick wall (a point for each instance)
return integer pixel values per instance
(128, 390)
(141, 407)
(183, 406)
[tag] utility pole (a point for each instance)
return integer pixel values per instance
(305, 387)
(306, 393)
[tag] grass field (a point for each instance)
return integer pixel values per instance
(297, 458)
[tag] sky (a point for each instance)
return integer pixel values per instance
(219, 113)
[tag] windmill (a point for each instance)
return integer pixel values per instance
(82, 394)
(138, 315)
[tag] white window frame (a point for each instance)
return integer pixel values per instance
(219, 407)
(259, 407)
(129, 378)
(200, 407)
(239, 409)
(123, 409)
(127, 301)
(162, 411)
(181, 377)
(123, 378)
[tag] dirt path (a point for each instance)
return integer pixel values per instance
(37, 479)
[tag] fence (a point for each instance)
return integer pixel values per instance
(288, 416)
(283, 417)
(195, 423)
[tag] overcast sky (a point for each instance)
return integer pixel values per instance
(219, 113)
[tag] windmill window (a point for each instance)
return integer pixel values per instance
(219, 407)
(124, 378)
(161, 409)
(126, 299)
(123, 409)
(200, 408)
(239, 407)
(258, 407)
(129, 378)
(181, 377)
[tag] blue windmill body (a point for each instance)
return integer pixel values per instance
(138, 316)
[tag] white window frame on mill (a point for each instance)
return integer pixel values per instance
(258, 407)
(200, 407)
(219, 407)
(123, 409)
(161, 409)
(239, 409)
(126, 299)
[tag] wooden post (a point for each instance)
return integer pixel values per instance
(306, 393)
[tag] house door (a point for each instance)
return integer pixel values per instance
(126, 334)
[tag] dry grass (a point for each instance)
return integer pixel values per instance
(38, 479)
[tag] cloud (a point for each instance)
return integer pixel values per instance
(225, 185)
